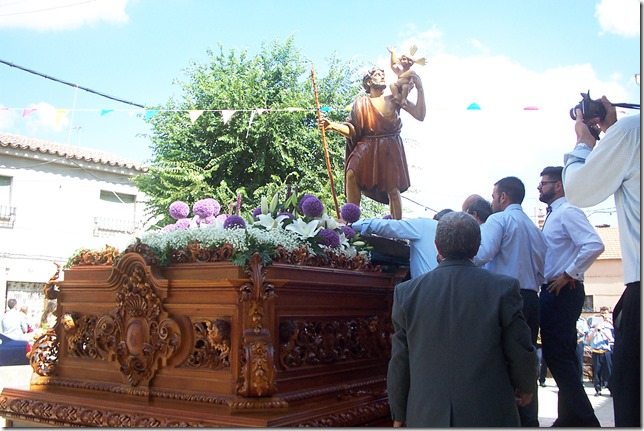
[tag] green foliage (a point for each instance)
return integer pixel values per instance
(213, 159)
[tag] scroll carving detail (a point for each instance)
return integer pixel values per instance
(211, 348)
(138, 333)
(256, 356)
(324, 342)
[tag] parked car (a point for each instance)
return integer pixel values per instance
(13, 352)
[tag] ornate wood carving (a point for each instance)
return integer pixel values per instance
(305, 342)
(57, 414)
(211, 348)
(258, 371)
(359, 415)
(44, 354)
(79, 334)
(107, 256)
(138, 333)
(144, 250)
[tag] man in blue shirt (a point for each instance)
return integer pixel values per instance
(573, 245)
(600, 338)
(511, 244)
(419, 231)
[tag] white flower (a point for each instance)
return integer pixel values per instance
(306, 230)
(269, 222)
(328, 222)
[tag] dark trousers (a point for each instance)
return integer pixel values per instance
(559, 316)
(529, 414)
(580, 357)
(626, 376)
(602, 369)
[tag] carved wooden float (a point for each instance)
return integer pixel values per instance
(211, 344)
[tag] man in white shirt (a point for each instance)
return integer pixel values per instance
(511, 244)
(573, 245)
(592, 172)
(14, 324)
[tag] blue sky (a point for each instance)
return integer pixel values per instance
(504, 55)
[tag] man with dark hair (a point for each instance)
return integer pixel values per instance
(511, 244)
(592, 173)
(573, 245)
(480, 209)
(14, 323)
(461, 351)
(375, 161)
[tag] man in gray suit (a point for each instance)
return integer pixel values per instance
(461, 351)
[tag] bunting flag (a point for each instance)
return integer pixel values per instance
(195, 114)
(28, 111)
(226, 114)
(106, 111)
(474, 107)
(60, 115)
(149, 113)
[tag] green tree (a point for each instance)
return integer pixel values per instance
(280, 147)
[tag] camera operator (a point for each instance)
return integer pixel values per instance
(593, 171)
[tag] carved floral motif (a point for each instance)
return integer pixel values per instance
(79, 333)
(211, 348)
(305, 342)
(107, 256)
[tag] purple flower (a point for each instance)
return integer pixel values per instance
(179, 210)
(204, 208)
(170, 228)
(302, 199)
(387, 217)
(257, 211)
(348, 231)
(215, 205)
(287, 214)
(210, 220)
(350, 213)
(182, 223)
(312, 207)
(329, 237)
(234, 221)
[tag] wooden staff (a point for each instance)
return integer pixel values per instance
(326, 150)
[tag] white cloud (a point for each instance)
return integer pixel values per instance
(621, 17)
(61, 14)
(455, 152)
(46, 118)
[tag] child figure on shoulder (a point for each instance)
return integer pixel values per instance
(401, 66)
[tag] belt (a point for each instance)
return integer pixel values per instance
(600, 351)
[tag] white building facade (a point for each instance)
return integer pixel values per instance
(56, 199)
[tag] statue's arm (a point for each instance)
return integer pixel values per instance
(418, 109)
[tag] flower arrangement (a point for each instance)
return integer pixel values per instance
(295, 231)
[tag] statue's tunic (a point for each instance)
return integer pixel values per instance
(375, 152)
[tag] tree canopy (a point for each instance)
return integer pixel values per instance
(213, 158)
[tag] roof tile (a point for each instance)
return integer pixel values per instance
(68, 151)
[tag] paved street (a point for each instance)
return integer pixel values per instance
(19, 376)
(603, 405)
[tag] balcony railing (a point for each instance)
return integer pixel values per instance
(7, 216)
(104, 226)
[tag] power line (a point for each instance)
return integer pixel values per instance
(43, 10)
(89, 90)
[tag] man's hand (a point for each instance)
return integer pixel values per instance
(584, 136)
(522, 399)
(611, 115)
(559, 283)
(398, 424)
